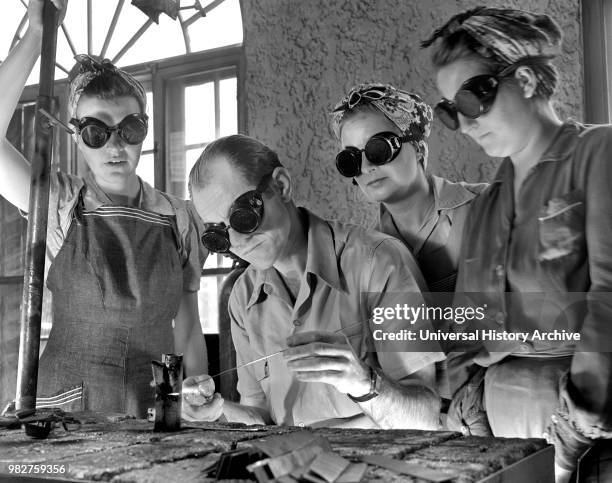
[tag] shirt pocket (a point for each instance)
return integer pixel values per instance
(561, 228)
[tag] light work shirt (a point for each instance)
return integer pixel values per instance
(544, 263)
(349, 272)
(438, 254)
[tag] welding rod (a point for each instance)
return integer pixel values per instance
(231, 369)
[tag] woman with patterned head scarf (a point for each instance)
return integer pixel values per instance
(124, 258)
(383, 133)
(538, 242)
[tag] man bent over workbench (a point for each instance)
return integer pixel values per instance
(307, 301)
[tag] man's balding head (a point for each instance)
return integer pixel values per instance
(231, 167)
(249, 158)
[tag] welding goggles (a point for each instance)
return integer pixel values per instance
(382, 148)
(95, 133)
(246, 215)
(473, 99)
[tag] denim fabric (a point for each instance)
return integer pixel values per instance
(467, 412)
(65, 192)
(116, 282)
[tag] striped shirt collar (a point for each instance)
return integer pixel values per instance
(149, 199)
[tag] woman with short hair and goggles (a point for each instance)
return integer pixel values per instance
(538, 242)
(383, 133)
(125, 259)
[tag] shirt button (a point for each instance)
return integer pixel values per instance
(500, 317)
(499, 271)
(297, 322)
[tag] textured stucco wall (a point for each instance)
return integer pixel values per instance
(302, 55)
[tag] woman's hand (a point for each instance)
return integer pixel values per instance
(35, 13)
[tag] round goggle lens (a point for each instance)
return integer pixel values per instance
(94, 136)
(215, 241)
(468, 104)
(348, 163)
(378, 151)
(133, 131)
(447, 115)
(244, 220)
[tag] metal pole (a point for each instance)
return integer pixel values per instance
(31, 302)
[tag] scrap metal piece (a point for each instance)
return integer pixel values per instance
(39, 423)
(416, 471)
(168, 377)
(353, 474)
(289, 452)
(326, 467)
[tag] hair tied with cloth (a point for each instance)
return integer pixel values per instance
(452, 26)
(501, 37)
(407, 111)
(87, 63)
(89, 68)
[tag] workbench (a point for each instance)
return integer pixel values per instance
(112, 448)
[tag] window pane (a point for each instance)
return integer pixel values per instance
(199, 113)
(191, 156)
(207, 304)
(225, 262)
(223, 26)
(228, 107)
(216, 260)
(146, 168)
(148, 142)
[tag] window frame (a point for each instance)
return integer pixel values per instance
(597, 54)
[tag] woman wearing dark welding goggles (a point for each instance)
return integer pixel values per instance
(537, 248)
(124, 258)
(383, 132)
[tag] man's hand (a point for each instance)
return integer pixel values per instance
(200, 402)
(319, 356)
(35, 13)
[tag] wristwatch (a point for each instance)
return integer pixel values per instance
(375, 381)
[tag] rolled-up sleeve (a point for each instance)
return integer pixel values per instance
(394, 285)
(194, 253)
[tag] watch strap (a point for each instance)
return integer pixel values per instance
(373, 389)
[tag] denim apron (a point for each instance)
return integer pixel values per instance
(116, 284)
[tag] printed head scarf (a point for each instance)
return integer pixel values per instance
(407, 111)
(89, 68)
(506, 36)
